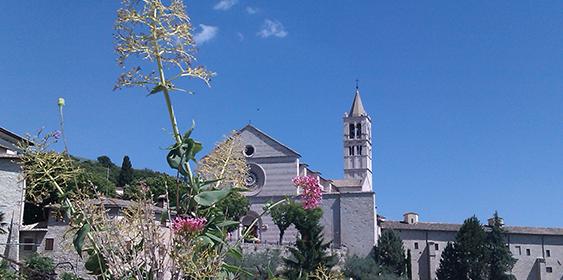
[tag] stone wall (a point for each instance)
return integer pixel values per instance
(11, 204)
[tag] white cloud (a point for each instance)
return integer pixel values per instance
(251, 10)
(207, 33)
(224, 5)
(272, 28)
(240, 36)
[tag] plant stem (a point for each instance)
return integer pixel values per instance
(72, 210)
(163, 83)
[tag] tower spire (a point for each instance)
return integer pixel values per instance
(357, 108)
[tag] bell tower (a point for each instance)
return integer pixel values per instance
(357, 143)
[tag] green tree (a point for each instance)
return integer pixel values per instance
(105, 161)
(283, 217)
(308, 254)
(409, 264)
(310, 250)
(366, 269)
(500, 260)
(451, 267)
(126, 173)
(234, 207)
(470, 241)
(390, 253)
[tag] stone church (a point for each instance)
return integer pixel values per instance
(349, 211)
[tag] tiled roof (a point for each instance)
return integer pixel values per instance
(396, 225)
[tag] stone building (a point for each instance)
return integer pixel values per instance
(349, 211)
(12, 189)
(539, 251)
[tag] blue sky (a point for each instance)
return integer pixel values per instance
(466, 96)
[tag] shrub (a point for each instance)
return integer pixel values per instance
(37, 267)
(70, 276)
(259, 264)
(5, 272)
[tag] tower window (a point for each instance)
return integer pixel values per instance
(416, 245)
(352, 130)
(359, 150)
(359, 130)
(548, 253)
(437, 247)
(528, 252)
(351, 150)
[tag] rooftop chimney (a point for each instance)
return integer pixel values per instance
(410, 218)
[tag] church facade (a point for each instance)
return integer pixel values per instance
(349, 208)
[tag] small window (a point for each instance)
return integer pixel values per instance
(359, 131)
(351, 131)
(548, 253)
(29, 243)
(49, 242)
(518, 249)
(437, 247)
(416, 245)
(248, 150)
(351, 150)
(359, 150)
(528, 252)
(549, 269)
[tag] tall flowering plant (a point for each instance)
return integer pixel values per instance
(312, 190)
(138, 247)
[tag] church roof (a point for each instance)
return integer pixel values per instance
(350, 183)
(357, 106)
(397, 225)
(286, 148)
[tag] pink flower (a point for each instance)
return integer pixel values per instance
(311, 190)
(188, 225)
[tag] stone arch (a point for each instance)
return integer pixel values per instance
(255, 232)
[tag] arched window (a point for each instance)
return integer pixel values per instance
(351, 150)
(352, 130)
(359, 130)
(359, 150)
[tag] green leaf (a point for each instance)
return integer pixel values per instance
(78, 240)
(209, 198)
(235, 269)
(214, 237)
(235, 253)
(227, 223)
(156, 89)
(206, 240)
(174, 157)
(187, 134)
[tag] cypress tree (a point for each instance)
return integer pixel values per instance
(390, 253)
(409, 265)
(500, 258)
(126, 173)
